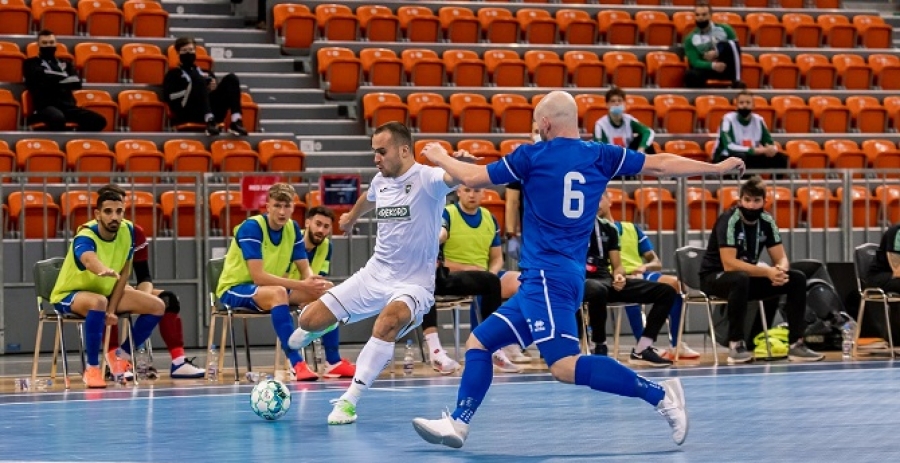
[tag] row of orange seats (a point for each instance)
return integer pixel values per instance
(139, 18)
(511, 113)
(344, 72)
(92, 158)
(35, 214)
(298, 27)
(811, 206)
(136, 111)
(97, 62)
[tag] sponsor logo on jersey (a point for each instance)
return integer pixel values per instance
(407, 188)
(392, 213)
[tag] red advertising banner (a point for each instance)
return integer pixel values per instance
(254, 191)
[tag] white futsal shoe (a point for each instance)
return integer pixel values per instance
(672, 408)
(445, 431)
(301, 338)
(344, 412)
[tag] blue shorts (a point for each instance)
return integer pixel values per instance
(652, 276)
(542, 312)
(501, 273)
(65, 305)
(241, 296)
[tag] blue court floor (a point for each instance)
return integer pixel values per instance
(830, 412)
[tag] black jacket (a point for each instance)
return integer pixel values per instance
(42, 79)
(185, 91)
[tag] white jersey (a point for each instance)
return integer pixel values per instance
(408, 211)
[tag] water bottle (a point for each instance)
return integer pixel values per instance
(142, 360)
(317, 352)
(408, 359)
(847, 331)
(212, 364)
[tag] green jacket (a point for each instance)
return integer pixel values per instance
(697, 43)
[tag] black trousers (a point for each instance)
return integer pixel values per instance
(730, 54)
(226, 96)
(467, 283)
(885, 281)
(598, 292)
(56, 117)
(740, 288)
(636, 143)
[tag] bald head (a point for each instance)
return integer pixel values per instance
(557, 116)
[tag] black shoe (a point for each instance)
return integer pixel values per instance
(237, 128)
(212, 129)
(152, 373)
(601, 349)
(648, 358)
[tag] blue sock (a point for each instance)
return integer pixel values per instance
(476, 380)
(93, 336)
(675, 320)
(284, 327)
(636, 320)
(142, 329)
(330, 342)
(607, 375)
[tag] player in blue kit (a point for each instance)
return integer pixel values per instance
(564, 178)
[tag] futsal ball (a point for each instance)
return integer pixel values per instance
(270, 399)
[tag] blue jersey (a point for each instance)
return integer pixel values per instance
(563, 180)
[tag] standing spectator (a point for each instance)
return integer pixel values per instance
(744, 134)
(196, 96)
(620, 128)
(712, 51)
(50, 82)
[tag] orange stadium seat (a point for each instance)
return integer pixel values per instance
(585, 68)
(336, 22)
(576, 27)
(864, 207)
(295, 25)
(892, 105)
(281, 156)
(807, 154)
(794, 116)
(496, 206)
(703, 208)
(100, 18)
(139, 156)
(204, 61)
(380, 108)
(873, 32)
(537, 26)
(710, 111)
(869, 116)
(142, 209)
(15, 18)
(7, 159)
(505, 68)
(459, 24)
(762, 108)
(821, 208)
(141, 111)
(11, 59)
(28, 112)
(513, 112)
(889, 196)
(98, 62)
(674, 113)
(424, 68)
(378, 23)
(183, 155)
(90, 156)
(741, 29)
(419, 24)
(684, 23)
(76, 208)
(145, 18)
(783, 206)
(58, 17)
(728, 196)
(845, 154)
(590, 109)
(780, 72)
(472, 113)
(853, 71)
(838, 31)
(655, 28)
(687, 149)
(816, 71)
(766, 29)
(464, 68)
(179, 209)
(665, 69)
(802, 30)
(617, 27)
(657, 208)
(339, 68)
(144, 63)
(621, 207)
(421, 144)
(545, 69)
(640, 108)
(234, 156)
(751, 71)
(882, 154)
(886, 71)
(9, 112)
(226, 211)
(34, 213)
(830, 113)
(381, 67)
(429, 113)
(623, 69)
(498, 25)
(483, 149)
(509, 145)
(40, 155)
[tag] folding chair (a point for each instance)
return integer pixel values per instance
(585, 319)
(864, 256)
(218, 310)
(45, 275)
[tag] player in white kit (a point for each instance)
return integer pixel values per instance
(397, 283)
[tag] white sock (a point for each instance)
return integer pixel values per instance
(178, 360)
(374, 357)
(235, 117)
(434, 343)
(643, 344)
(733, 344)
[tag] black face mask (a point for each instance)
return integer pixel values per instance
(744, 112)
(187, 59)
(750, 215)
(703, 24)
(48, 52)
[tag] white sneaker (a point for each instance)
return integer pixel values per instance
(445, 431)
(443, 364)
(301, 338)
(515, 354)
(672, 408)
(344, 412)
(186, 370)
(686, 353)
(504, 364)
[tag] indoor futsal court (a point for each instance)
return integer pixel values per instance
(759, 413)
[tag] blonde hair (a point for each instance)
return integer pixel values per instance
(282, 192)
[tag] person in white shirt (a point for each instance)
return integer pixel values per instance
(744, 134)
(620, 128)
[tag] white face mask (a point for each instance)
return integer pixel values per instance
(536, 137)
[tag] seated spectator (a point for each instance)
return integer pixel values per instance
(602, 287)
(196, 96)
(712, 51)
(884, 272)
(50, 82)
(620, 129)
(744, 134)
(730, 270)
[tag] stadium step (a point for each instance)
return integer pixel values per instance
(216, 7)
(288, 95)
(241, 65)
(337, 159)
(336, 142)
(303, 111)
(289, 81)
(243, 50)
(222, 21)
(339, 127)
(222, 35)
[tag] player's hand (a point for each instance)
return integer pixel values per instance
(719, 66)
(433, 152)
(777, 276)
(466, 156)
(771, 150)
(512, 247)
(212, 84)
(711, 55)
(108, 272)
(346, 222)
(731, 164)
(315, 286)
(618, 282)
(112, 319)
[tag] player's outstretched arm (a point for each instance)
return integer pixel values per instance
(457, 172)
(362, 206)
(672, 165)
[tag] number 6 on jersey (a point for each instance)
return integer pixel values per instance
(573, 200)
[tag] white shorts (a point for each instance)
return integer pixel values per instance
(364, 295)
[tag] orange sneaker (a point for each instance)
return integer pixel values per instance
(302, 372)
(93, 379)
(342, 369)
(119, 367)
